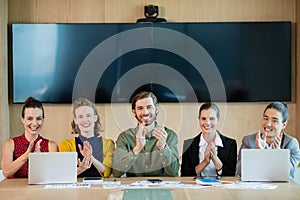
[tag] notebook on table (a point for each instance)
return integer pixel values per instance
(265, 165)
(52, 168)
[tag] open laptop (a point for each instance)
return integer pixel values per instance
(52, 167)
(265, 165)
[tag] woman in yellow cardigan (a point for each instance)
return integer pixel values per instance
(95, 153)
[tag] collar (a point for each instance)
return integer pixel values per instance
(83, 138)
(151, 135)
(218, 140)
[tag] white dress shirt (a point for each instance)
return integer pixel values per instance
(210, 169)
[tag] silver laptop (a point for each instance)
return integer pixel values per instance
(52, 167)
(265, 165)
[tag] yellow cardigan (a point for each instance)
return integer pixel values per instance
(108, 151)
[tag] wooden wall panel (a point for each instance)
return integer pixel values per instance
(239, 118)
(204, 10)
(56, 11)
(4, 108)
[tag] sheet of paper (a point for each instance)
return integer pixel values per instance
(73, 185)
(251, 185)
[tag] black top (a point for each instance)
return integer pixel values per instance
(96, 143)
(227, 154)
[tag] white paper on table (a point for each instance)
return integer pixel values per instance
(251, 185)
(72, 185)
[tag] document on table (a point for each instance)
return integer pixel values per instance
(72, 185)
(251, 185)
(167, 184)
(147, 184)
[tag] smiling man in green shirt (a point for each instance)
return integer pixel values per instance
(148, 149)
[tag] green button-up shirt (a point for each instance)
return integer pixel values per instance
(150, 161)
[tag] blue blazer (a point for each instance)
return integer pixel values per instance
(227, 154)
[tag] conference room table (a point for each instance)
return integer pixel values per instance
(19, 189)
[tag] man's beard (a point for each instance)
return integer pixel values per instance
(152, 119)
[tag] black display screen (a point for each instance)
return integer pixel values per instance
(179, 62)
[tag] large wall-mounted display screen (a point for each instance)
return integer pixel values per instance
(179, 62)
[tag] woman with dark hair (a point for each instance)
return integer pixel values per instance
(95, 153)
(16, 150)
(210, 153)
(272, 135)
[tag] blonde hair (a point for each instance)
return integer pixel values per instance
(85, 102)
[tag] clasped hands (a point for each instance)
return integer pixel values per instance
(261, 141)
(158, 132)
(210, 152)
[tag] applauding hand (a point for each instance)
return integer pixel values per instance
(260, 141)
(277, 141)
(140, 138)
(161, 135)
